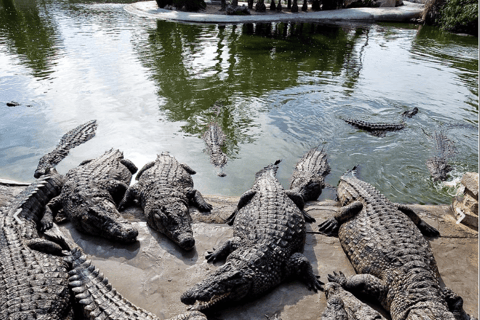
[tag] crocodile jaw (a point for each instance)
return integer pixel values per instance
(202, 305)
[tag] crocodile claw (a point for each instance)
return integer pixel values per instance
(329, 227)
(338, 278)
(211, 256)
(428, 230)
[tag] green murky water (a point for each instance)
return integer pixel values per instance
(151, 84)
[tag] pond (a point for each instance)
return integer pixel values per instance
(151, 86)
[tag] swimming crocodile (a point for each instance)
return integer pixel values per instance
(214, 139)
(33, 275)
(444, 150)
(308, 178)
(100, 301)
(393, 261)
(91, 193)
(380, 128)
(266, 248)
(165, 190)
(342, 305)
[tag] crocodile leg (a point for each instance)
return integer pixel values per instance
(144, 168)
(197, 200)
(116, 189)
(361, 284)
(331, 226)
(299, 266)
(45, 246)
(455, 305)
(130, 165)
(131, 194)
(188, 169)
(51, 211)
(244, 199)
(228, 247)
(425, 228)
(298, 200)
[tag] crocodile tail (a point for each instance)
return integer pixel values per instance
(270, 168)
(71, 139)
(352, 173)
(93, 291)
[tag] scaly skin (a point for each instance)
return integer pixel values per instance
(91, 193)
(376, 129)
(214, 139)
(393, 261)
(165, 189)
(342, 305)
(33, 281)
(100, 301)
(444, 149)
(308, 178)
(269, 236)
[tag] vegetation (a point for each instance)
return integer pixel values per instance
(460, 16)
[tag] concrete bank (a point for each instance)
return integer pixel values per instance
(406, 12)
(153, 272)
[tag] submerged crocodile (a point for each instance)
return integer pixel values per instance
(165, 190)
(214, 139)
(91, 193)
(100, 301)
(342, 305)
(308, 178)
(444, 150)
(266, 248)
(393, 261)
(380, 128)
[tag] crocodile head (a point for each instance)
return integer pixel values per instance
(173, 219)
(97, 215)
(308, 184)
(44, 167)
(227, 283)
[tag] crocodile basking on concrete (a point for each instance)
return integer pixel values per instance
(100, 301)
(266, 248)
(308, 178)
(393, 260)
(380, 128)
(91, 193)
(165, 190)
(444, 150)
(342, 305)
(214, 139)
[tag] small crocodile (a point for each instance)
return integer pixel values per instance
(214, 139)
(100, 301)
(266, 248)
(308, 178)
(342, 305)
(380, 128)
(165, 190)
(444, 150)
(393, 261)
(91, 193)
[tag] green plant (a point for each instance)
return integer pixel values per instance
(459, 16)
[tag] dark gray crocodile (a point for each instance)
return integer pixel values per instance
(214, 139)
(444, 150)
(380, 128)
(165, 190)
(266, 248)
(308, 178)
(100, 301)
(91, 193)
(342, 305)
(70, 140)
(393, 260)
(33, 279)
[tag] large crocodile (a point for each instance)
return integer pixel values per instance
(100, 301)
(308, 178)
(165, 190)
(393, 261)
(266, 248)
(342, 305)
(91, 193)
(444, 150)
(214, 139)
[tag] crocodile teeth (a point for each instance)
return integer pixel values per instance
(202, 305)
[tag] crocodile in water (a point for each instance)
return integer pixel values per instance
(393, 260)
(266, 248)
(165, 190)
(444, 150)
(214, 139)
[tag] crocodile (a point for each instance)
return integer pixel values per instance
(438, 164)
(99, 300)
(165, 190)
(308, 178)
(91, 193)
(71, 139)
(385, 243)
(380, 128)
(342, 305)
(33, 274)
(214, 139)
(266, 248)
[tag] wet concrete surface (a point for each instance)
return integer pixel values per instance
(154, 272)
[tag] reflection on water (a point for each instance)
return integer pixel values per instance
(151, 85)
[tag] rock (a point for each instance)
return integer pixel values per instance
(470, 181)
(237, 10)
(465, 206)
